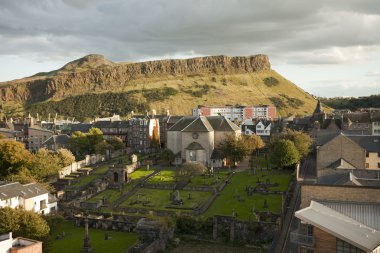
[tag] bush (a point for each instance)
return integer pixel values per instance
(270, 81)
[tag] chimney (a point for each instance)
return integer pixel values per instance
(167, 113)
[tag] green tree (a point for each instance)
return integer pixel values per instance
(78, 144)
(23, 223)
(167, 155)
(13, 157)
(235, 148)
(116, 143)
(94, 136)
(301, 140)
(283, 153)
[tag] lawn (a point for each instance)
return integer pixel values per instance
(73, 239)
(234, 197)
(157, 199)
(164, 177)
(113, 194)
(219, 176)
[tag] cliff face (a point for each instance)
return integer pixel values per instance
(93, 71)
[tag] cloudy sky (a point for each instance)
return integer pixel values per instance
(329, 48)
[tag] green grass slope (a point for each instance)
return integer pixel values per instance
(180, 94)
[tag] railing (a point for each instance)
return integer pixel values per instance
(303, 239)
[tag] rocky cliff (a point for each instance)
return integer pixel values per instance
(95, 73)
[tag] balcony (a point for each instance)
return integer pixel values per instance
(301, 238)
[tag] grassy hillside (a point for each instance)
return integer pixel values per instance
(180, 94)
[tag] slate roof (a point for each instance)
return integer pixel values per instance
(182, 123)
(26, 191)
(219, 123)
(250, 127)
(62, 139)
(341, 164)
(325, 136)
(194, 146)
(82, 127)
(357, 117)
(342, 226)
(201, 124)
(369, 142)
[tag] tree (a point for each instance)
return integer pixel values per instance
(94, 136)
(253, 142)
(283, 153)
(301, 141)
(44, 164)
(167, 155)
(13, 157)
(79, 144)
(23, 223)
(191, 169)
(65, 157)
(236, 148)
(116, 143)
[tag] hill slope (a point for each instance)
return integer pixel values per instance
(93, 86)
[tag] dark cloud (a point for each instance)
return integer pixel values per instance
(295, 32)
(135, 29)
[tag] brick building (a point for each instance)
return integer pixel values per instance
(8, 244)
(238, 113)
(338, 219)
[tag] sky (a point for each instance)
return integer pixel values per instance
(328, 48)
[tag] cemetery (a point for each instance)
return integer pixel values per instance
(121, 192)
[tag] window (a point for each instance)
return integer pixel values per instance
(43, 204)
(343, 247)
(378, 165)
(193, 156)
(366, 165)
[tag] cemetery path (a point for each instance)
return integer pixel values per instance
(243, 165)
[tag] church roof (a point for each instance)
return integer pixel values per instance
(219, 123)
(182, 123)
(201, 124)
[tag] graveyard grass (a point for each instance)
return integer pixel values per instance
(227, 202)
(158, 199)
(73, 239)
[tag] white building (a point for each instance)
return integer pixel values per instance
(238, 113)
(31, 197)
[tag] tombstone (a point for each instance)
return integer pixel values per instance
(212, 170)
(106, 236)
(189, 196)
(171, 196)
(134, 158)
(265, 203)
(177, 197)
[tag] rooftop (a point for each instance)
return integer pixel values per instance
(332, 218)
